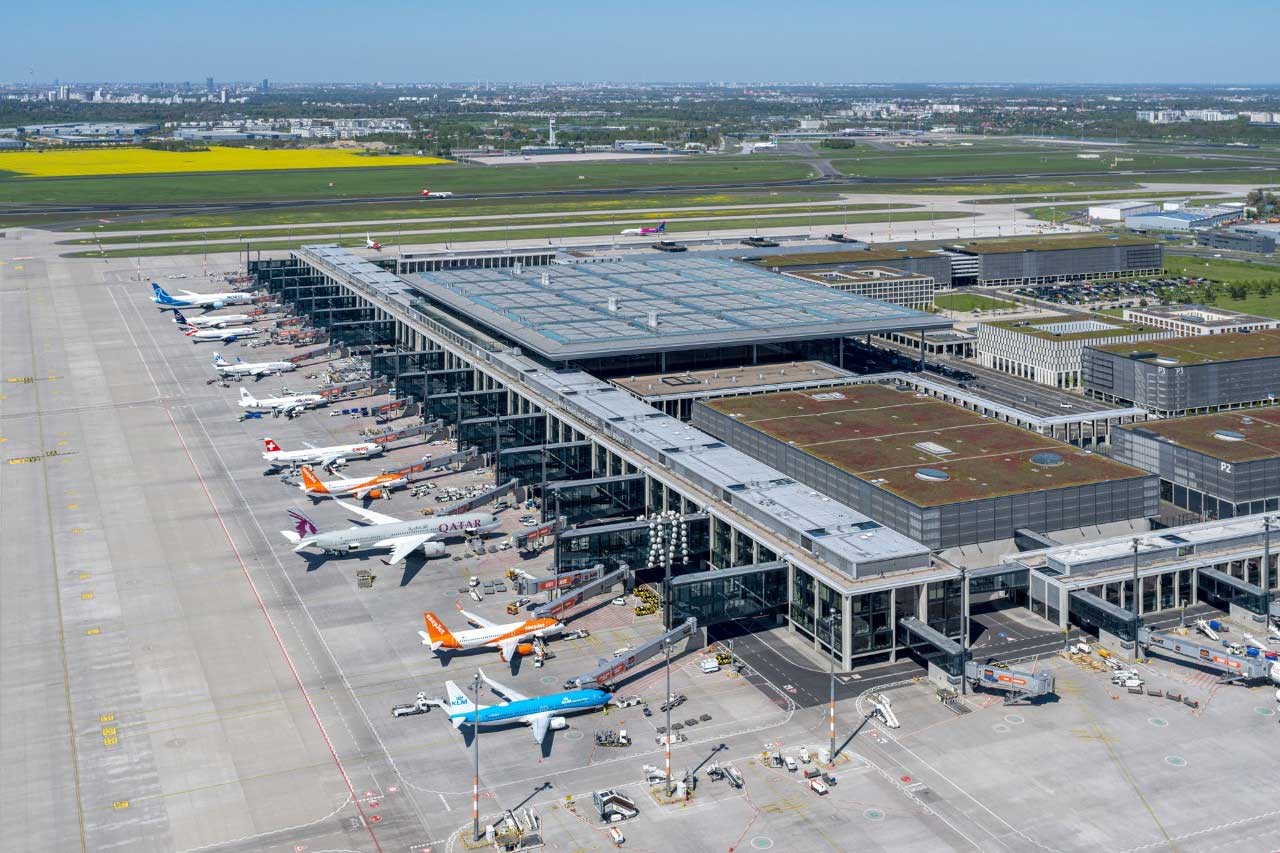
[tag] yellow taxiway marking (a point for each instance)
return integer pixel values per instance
(86, 596)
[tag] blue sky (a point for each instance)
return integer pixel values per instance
(804, 40)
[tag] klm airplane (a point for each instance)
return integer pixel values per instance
(543, 713)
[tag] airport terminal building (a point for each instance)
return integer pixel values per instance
(1050, 350)
(1029, 261)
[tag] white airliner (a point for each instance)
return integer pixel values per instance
(256, 369)
(287, 401)
(426, 193)
(218, 321)
(660, 228)
(198, 300)
(387, 531)
(377, 486)
(225, 336)
(370, 243)
(323, 456)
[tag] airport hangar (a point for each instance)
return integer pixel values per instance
(496, 344)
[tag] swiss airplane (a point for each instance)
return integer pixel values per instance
(206, 301)
(660, 228)
(288, 401)
(387, 531)
(217, 321)
(225, 336)
(322, 456)
(376, 486)
(510, 638)
(426, 193)
(370, 243)
(256, 369)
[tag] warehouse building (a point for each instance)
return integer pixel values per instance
(1027, 261)
(943, 475)
(1050, 351)
(1190, 320)
(1186, 219)
(1174, 377)
(911, 259)
(1221, 466)
(913, 290)
(1237, 239)
(1118, 210)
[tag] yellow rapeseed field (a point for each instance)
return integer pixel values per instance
(143, 161)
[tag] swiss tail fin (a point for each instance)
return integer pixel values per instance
(458, 704)
(270, 444)
(311, 483)
(438, 636)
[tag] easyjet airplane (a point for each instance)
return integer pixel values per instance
(510, 639)
(359, 487)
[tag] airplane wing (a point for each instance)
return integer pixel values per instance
(508, 648)
(539, 723)
(363, 492)
(374, 517)
(478, 621)
(190, 292)
(511, 694)
(402, 546)
(310, 446)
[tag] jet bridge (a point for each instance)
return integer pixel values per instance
(560, 604)
(608, 671)
(1015, 684)
(1233, 668)
(532, 586)
(487, 496)
(932, 646)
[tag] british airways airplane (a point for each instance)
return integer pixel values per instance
(541, 713)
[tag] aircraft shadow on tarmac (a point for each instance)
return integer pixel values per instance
(468, 735)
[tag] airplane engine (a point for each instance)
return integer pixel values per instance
(559, 724)
(431, 550)
(524, 649)
(375, 493)
(219, 305)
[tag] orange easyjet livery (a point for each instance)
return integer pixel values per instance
(510, 639)
(361, 487)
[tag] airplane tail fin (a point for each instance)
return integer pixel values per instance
(438, 636)
(662, 226)
(218, 360)
(458, 704)
(270, 444)
(161, 295)
(246, 399)
(181, 320)
(311, 483)
(303, 529)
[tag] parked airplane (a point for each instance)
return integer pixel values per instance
(257, 369)
(386, 531)
(428, 194)
(322, 456)
(225, 336)
(509, 638)
(660, 228)
(542, 713)
(370, 243)
(376, 486)
(289, 401)
(198, 300)
(215, 321)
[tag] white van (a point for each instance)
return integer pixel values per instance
(709, 665)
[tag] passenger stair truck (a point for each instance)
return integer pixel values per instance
(1017, 686)
(883, 708)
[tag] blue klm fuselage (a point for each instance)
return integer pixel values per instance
(554, 703)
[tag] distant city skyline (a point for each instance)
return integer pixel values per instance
(1089, 42)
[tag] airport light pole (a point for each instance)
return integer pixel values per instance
(475, 751)
(667, 735)
(1267, 521)
(831, 697)
(1137, 596)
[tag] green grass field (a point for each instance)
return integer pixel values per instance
(1012, 188)
(797, 215)
(499, 233)
(993, 163)
(1217, 269)
(428, 210)
(391, 181)
(1079, 197)
(969, 302)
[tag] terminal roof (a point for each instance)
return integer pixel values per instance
(571, 310)
(921, 449)
(1049, 242)
(1216, 435)
(1202, 349)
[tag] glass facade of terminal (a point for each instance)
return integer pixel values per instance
(739, 593)
(492, 434)
(612, 545)
(548, 463)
